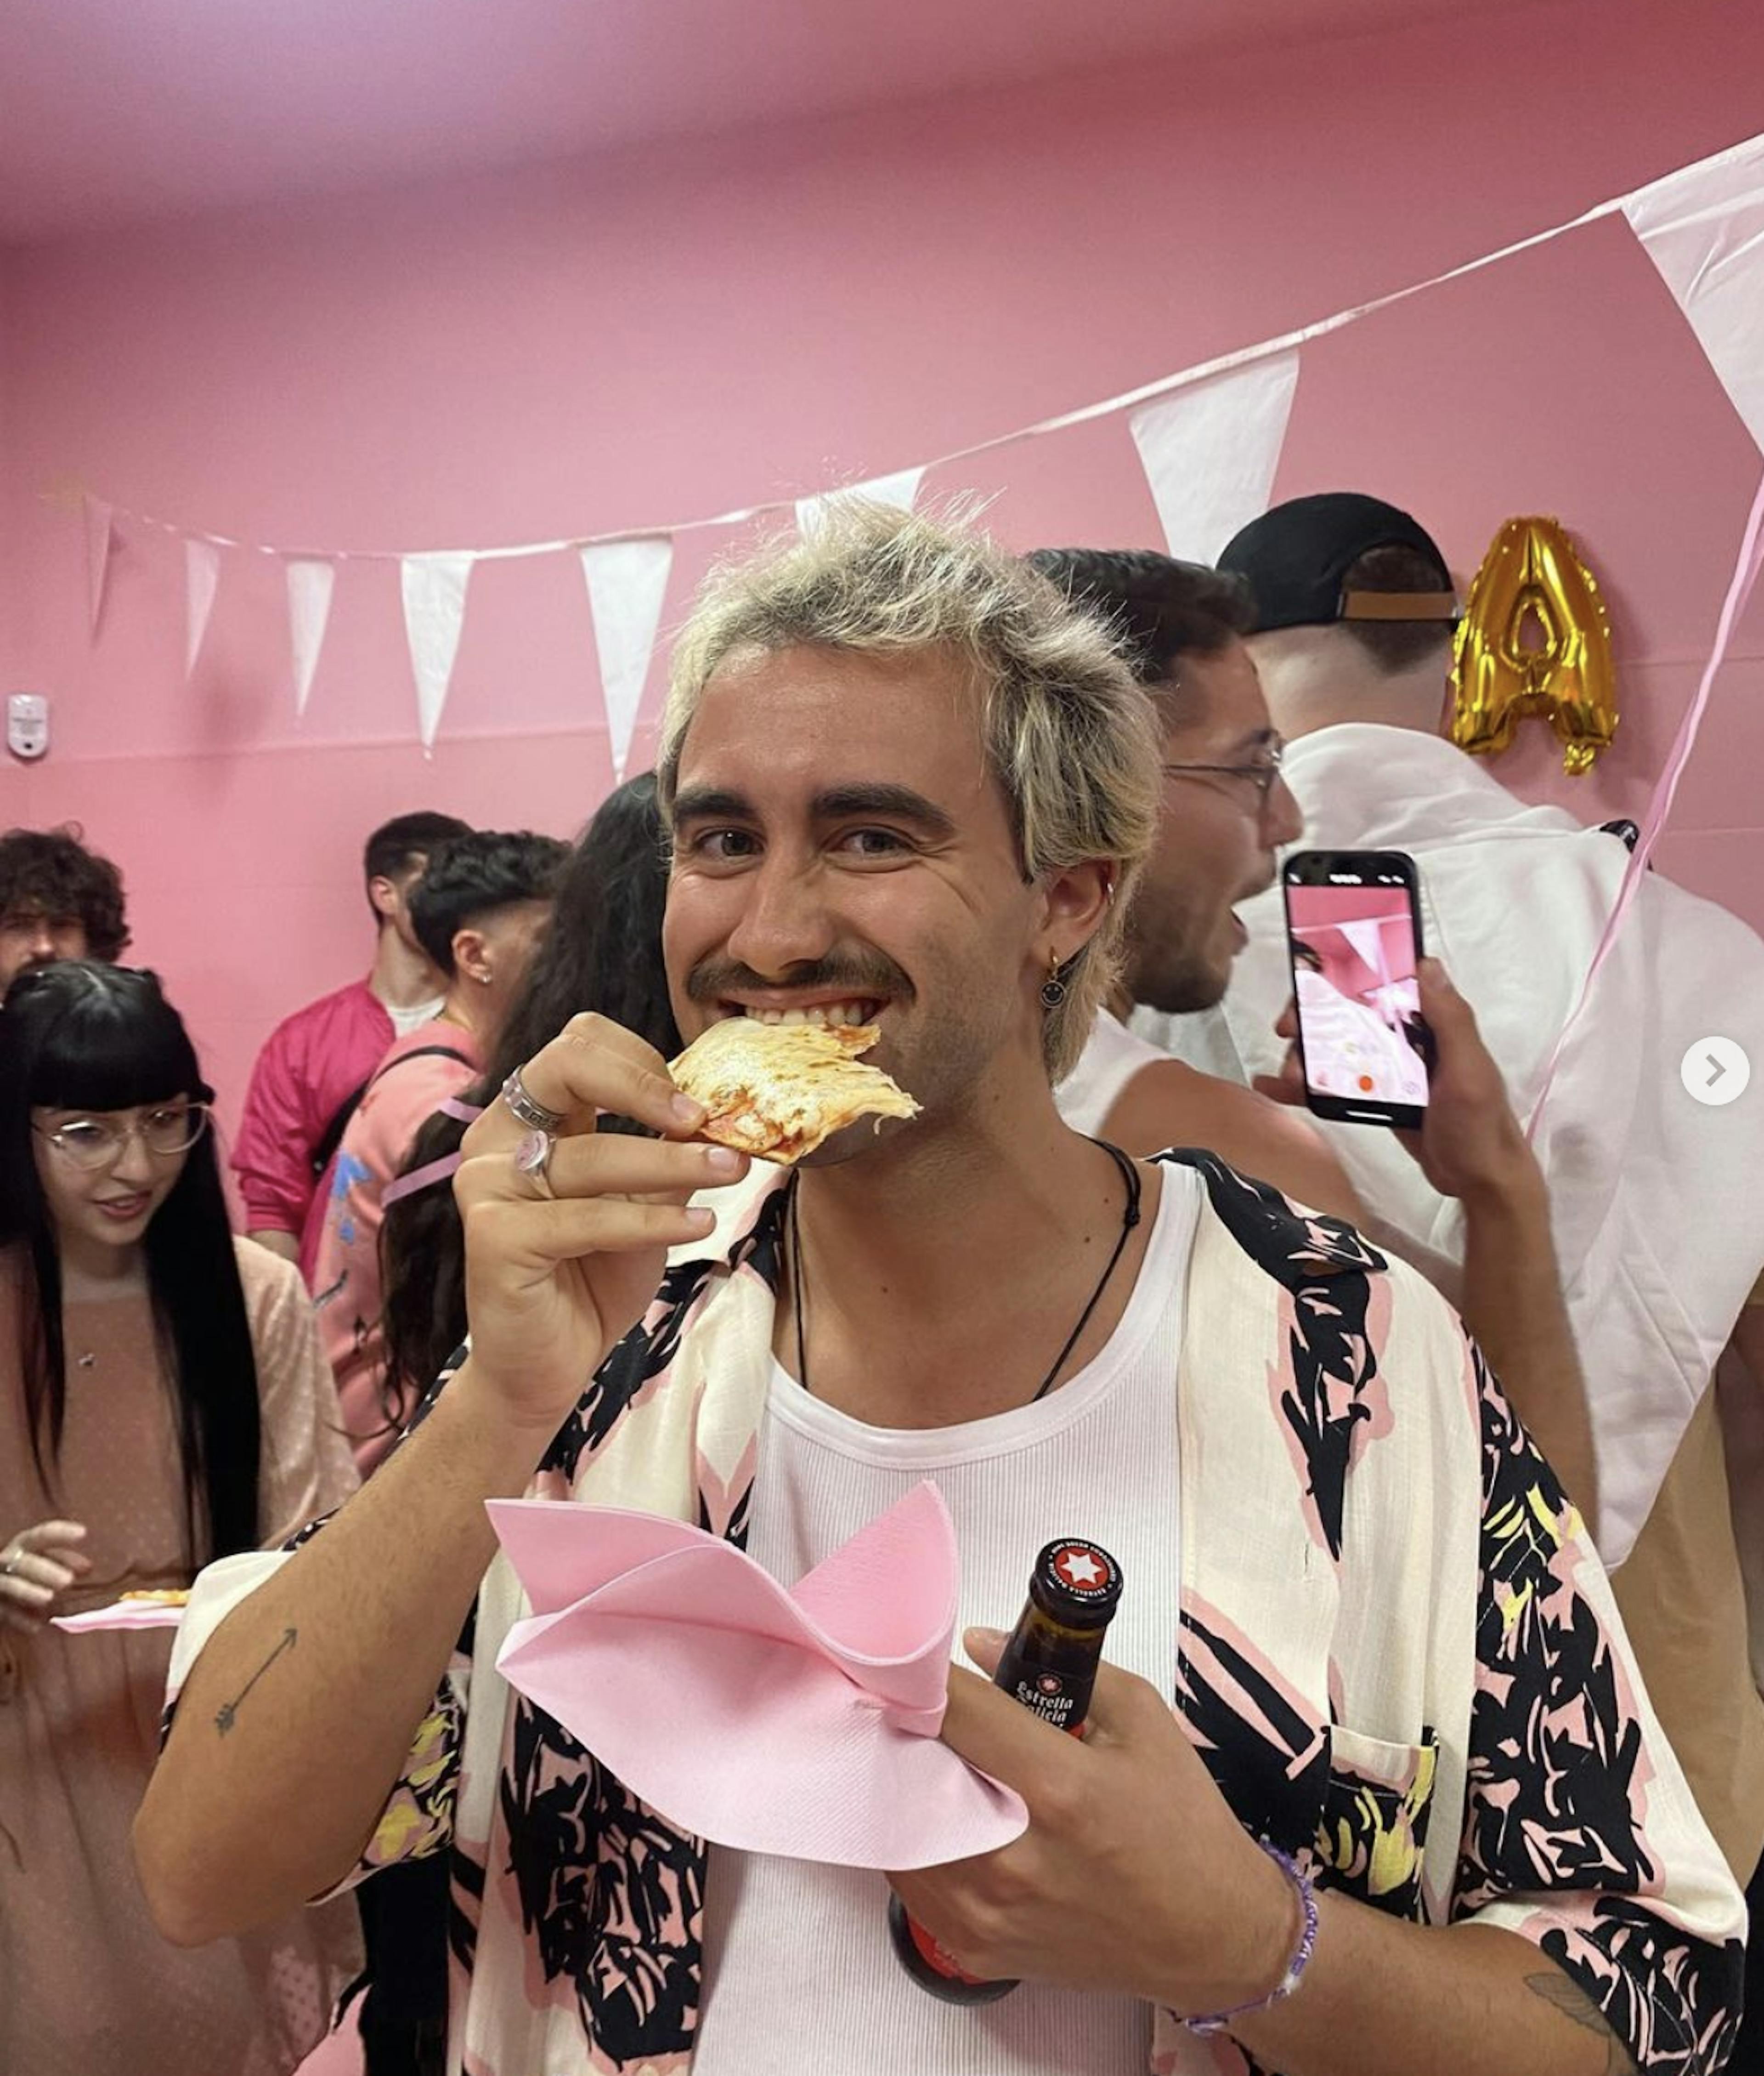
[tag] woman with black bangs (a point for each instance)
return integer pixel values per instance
(163, 1401)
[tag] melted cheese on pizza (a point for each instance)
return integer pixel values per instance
(777, 1090)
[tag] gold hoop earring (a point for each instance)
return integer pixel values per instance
(1053, 988)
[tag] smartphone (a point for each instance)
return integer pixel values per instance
(1353, 932)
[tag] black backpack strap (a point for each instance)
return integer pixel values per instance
(419, 1052)
(332, 1137)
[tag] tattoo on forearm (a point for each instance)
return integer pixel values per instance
(1575, 2005)
(227, 1714)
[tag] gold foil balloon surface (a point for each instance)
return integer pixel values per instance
(1534, 639)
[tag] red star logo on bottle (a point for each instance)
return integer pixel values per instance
(1079, 1568)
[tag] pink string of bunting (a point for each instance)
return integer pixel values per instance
(1739, 590)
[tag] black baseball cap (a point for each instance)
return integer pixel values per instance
(1295, 557)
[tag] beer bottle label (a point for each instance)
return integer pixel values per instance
(1050, 1696)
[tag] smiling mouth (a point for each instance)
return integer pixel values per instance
(858, 1010)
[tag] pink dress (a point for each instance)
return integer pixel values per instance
(87, 1986)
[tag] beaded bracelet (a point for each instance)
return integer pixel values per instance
(1217, 2021)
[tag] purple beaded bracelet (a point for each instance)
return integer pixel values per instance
(1217, 2021)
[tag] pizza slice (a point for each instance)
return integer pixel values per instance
(777, 1090)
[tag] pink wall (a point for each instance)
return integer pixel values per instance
(9, 575)
(666, 335)
(1317, 913)
(1348, 971)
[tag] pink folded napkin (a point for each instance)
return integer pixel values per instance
(802, 1721)
(121, 1614)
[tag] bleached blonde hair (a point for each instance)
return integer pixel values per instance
(1071, 738)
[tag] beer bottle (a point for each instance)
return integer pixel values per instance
(1049, 1665)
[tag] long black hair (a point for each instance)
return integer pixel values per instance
(81, 1036)
(602, 951)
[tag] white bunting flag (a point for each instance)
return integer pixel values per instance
(1704, 229)
(1367, 938)
(99, 537)
(202, 577)
(433, 589)
(311, 581)
(900, 490)
(1210, 452)
(626, 581)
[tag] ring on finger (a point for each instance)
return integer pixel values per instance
(13, 1559)
(527, 1107)
(533, 1156)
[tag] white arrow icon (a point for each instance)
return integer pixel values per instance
(1715, 1071)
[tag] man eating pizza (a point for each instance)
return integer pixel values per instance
(1368, 1783)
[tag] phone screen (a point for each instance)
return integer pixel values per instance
(1356, 941)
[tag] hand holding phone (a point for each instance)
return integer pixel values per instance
(1353, 925)
(1470, 1144)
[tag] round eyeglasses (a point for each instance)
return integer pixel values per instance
(95, 1142)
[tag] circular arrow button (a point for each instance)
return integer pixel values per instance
(1715, 1071)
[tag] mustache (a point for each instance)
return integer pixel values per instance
(713, 979)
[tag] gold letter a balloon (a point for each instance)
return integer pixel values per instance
(1534, 640)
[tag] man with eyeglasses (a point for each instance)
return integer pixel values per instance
(1654, 1208)
(1226, 808)
(1226, 812)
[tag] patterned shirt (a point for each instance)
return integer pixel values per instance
(1399, 1660)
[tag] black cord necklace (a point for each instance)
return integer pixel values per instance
(1129, 1218)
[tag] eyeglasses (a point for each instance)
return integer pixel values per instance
(1262, 774)
(91, 1142)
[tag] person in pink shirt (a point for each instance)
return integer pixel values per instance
(478, 912)
(312, 1069)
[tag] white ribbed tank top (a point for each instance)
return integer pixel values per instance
(800, 1978)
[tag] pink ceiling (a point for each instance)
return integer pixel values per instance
(113, 110)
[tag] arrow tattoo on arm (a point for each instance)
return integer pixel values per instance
(227, 1713)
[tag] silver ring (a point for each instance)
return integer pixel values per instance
(533, 1156)
(532, 1114)
(11, 1564)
